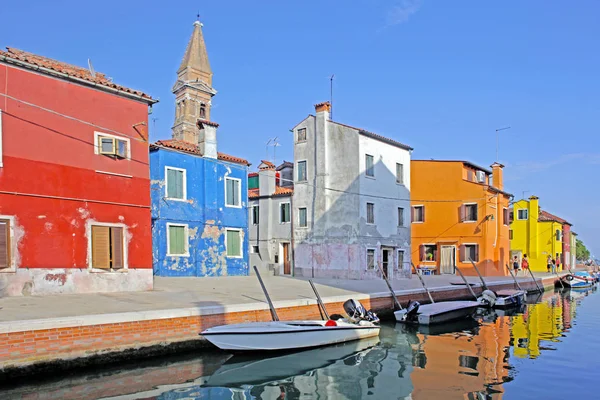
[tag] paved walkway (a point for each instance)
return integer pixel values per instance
(217, 293)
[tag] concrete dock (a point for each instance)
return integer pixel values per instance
(73, 330)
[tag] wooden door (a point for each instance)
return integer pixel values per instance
(447, 260)
(287, 268)
(386, 261)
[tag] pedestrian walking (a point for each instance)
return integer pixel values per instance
(516, 265)
(525, 264)
(553, 266)
(549, 263)
(557, 263)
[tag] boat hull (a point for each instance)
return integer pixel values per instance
(575, 282)
(289, 335)
(438, 313)
(510, 298)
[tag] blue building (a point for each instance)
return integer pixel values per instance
(199, 196)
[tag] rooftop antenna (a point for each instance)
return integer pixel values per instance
(154, 125)
(331, 96)
(91, 68)
(275, 145)
(268, 144)
(498, 139)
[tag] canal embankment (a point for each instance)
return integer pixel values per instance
(73, 331)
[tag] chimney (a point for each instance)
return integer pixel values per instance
(207, 138)
(323, 109)
(497, 175)
(266, 178)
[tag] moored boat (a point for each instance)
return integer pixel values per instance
(575, 281)
(436, 313)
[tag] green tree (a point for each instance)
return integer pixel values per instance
(581, 252)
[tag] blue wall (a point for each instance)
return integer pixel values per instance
(204, 212)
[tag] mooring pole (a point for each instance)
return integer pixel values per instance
(396, 302)
(513, 276)
(535, 280)
(262, 285)
(422, 282)
(480, 277)
(319, 301)
(466, 282)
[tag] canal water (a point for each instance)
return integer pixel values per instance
(546, 350)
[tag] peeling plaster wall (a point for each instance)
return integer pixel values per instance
(337, 238)
(204, 212)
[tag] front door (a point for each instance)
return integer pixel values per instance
(386, 260)
(287, 268)
(447, 260)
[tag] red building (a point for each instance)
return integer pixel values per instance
(74, 180)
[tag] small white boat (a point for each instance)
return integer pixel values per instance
(575, 281)
(502, 298)
(288, 335)
(436, 313)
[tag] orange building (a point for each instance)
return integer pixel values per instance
(459, 212)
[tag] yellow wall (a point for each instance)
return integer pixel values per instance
(532, 237)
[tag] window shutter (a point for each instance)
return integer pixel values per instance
(469, 175)
(423, 213)
(236, 193)
(422, 252)
(4, 244)
(461, 253)
(179, 184)
(412, 214)
(116, 238)
(462, 210)
(476, 253)
(233, 243)
(101, 247)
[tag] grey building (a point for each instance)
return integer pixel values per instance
(270, 219)
(351, 201)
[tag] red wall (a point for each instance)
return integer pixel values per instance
(50, 155)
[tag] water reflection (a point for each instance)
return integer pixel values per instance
(468, 360)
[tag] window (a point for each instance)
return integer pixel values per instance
(255, 215)
(400, 216)
(399, 173)
(176, 183)
(558, 235)
(522, 214)
(233, 245)
(255, 249)
(470, 174)
(505, 216)
(469, 213)
(302, 222)
(469, 252)
(109, 145)
(5, 260)
(370, 258)
(400, 264)
(233, 192)
(428, 252)
(301, 171)
(418, 214)
(107, 247)
(370, 213)
(369, 167)
(177, 241)
(202, 111)
(284, 213)
(510, 234)
(302, 135)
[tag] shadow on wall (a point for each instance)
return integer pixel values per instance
(349, 228)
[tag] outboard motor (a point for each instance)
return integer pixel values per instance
(357, 312)
(412, 309)
(487, 298)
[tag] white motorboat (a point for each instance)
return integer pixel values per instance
(436, 313)
(502, 298)
(295, 335)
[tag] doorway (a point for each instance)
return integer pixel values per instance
(287, 268)
(447, 260)
(386, 260)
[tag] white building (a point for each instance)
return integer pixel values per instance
(351, 201)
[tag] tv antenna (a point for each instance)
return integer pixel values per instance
(275, 143)
(91, 68)
(331, 96)
(498, 139)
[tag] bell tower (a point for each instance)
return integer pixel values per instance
(193, 89)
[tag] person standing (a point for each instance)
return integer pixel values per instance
(553, 266)
(524, 264)
(557, 262)
(516, 265)
(549, 263)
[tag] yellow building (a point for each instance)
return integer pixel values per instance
(535, 233)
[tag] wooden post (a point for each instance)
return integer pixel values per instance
(319, 301)
(466, 282)
(422, 282)
(480, 277)
(535, 280)
(513, 276)
(396, 302)
(262, 285)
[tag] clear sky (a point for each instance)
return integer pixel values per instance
(441, 76)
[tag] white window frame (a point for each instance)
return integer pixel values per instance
(184, 183)
(413, 213)
(374, 258)
(471, 221)
(367, 213)
(399, 267)
(1, 165)
(436, 253)
(187, 240)
(88, 230)
(505, 221)
(367, 168)
(526, 214)
(298, 135)
(239, 191)
(470, 244)
(289, 213)
(252, 214)
(13, 245)
(306, 215)
(305, 171)
(97, 136)
(239, 231)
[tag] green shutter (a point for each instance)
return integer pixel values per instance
(177, 240)
(174, 184)
(233, 244)
(253, 182)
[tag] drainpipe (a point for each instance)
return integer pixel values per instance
(292, 244)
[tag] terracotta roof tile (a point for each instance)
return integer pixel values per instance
(279, 191)
(206, 122)
(547, 217)
(194, 149)
(266, 165)
(68, 69)
(253, 193)
(376, 136)
(285, 164)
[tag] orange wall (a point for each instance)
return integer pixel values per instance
(446, 183)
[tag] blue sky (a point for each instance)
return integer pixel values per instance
(441, 76)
